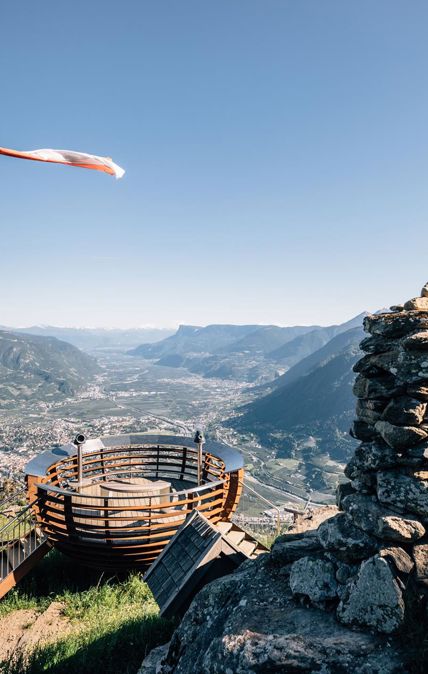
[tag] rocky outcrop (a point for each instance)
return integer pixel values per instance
(385, 609)
(335, 598)
(270, 616)
(250, 623)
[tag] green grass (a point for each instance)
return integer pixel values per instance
(115, 621)
(269, 539)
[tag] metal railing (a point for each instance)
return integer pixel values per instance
(252, 515)
(20, 536)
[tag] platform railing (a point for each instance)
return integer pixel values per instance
(20, 537)
(261, 517)
(154, 462)
(103, 527)
(116, 530)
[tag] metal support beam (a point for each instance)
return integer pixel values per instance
(199, 441)
(79, 441)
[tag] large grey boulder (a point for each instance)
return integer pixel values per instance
(392, 326)
(348, 542)
(374, 598)
(382, 387)
(418, 341)
(248, 623)
(400, 437)
(373, 518)
(377, 365)
(314, 578)
(417, 304)
(405, 492)
(412, 367)
(288, 548)
(377, 344)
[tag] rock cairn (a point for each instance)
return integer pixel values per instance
(371, 558)
(365, 563)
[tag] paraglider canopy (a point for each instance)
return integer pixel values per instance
(69, 158)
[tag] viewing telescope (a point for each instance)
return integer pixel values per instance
(79, 440)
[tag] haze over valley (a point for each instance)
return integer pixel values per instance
(282, 394)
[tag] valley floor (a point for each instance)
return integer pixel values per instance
(132, 394)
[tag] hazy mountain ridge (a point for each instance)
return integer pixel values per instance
(193, 339)
(42, 367)
(300, 347)
(316, 397)
(316, 402)
(320, 357)
(267, 338)
(95, 338)
(245, 353)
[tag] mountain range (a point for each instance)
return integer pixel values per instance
(314, 398)
(42, 368)
(248, 353)
(299, 406)
(304, 417)
(302, 403)
(97, 338)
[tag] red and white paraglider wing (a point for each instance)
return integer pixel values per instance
(69, 158)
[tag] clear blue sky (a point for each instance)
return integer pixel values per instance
(276, 155)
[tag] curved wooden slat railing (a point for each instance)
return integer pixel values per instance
(120, 532)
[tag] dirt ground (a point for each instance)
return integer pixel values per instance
(312, 518)
(21, 630)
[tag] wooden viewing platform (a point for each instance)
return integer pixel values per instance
(136, 492)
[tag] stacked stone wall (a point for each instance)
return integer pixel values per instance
(374, 553)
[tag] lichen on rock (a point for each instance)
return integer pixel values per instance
(374, 598)
(314, 578)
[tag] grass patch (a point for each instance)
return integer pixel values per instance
(115, 620)
(268, 539)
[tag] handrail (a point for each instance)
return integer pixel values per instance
(10, 500)
(18, 517)
(294, 511)
(19, 539)
(40, 464)
(46, 486)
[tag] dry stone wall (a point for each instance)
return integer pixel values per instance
(332, 597)
(373, 557)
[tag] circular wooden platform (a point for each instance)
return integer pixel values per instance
(137, 491)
